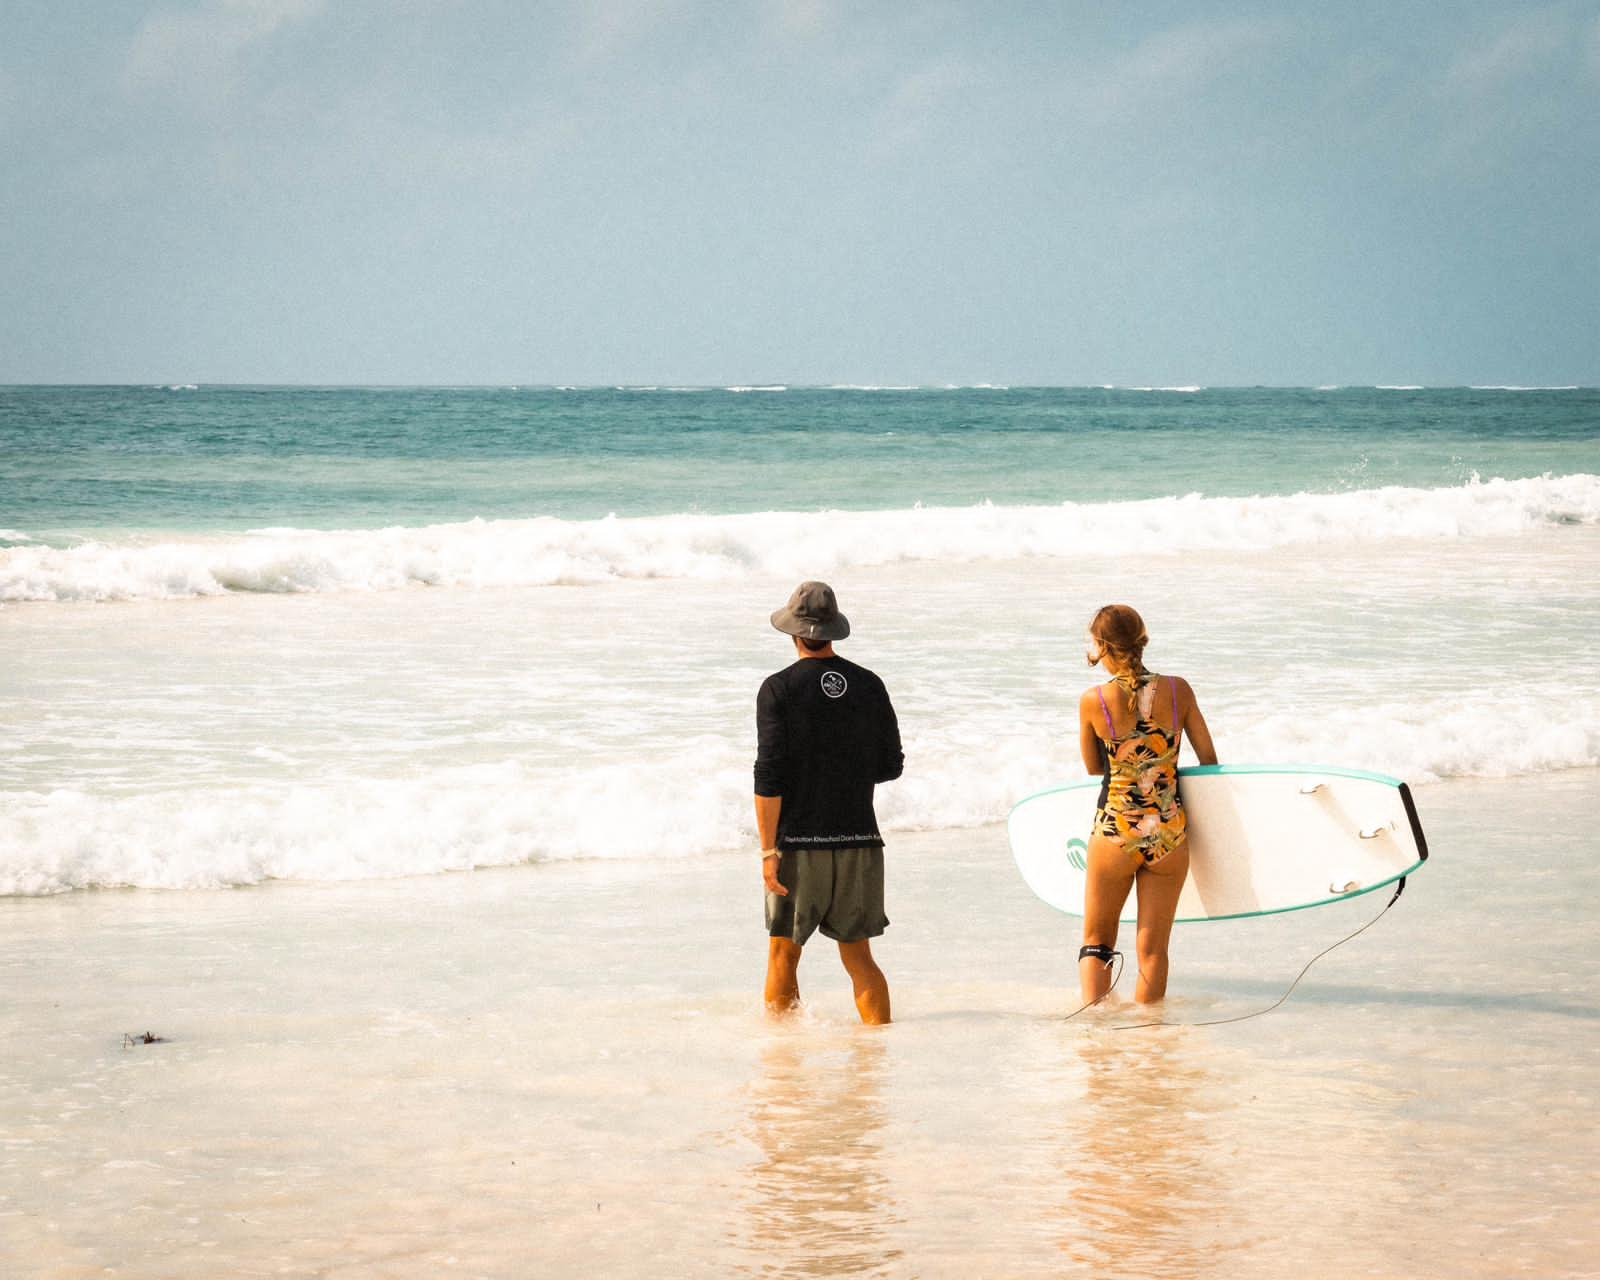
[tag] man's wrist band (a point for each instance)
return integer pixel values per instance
(769, 853)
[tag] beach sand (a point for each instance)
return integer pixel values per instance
(564, 1069)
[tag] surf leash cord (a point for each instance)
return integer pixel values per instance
(1245, 1017)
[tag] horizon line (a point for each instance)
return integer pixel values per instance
(774, 386)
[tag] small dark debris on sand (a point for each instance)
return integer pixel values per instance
(149, 1037)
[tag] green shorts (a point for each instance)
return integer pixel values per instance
(839, 891)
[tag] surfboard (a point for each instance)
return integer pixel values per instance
(1262, 839)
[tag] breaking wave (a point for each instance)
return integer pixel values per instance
(548, 552)
(511, 812)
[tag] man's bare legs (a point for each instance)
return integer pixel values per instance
(871, 987)
(783, 979)
(783, 975)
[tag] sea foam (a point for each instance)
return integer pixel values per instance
(686, 803)
(550, 552)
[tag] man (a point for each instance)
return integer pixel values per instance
(826, 733)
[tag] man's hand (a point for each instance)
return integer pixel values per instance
(769, 873)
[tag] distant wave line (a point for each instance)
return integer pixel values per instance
(546, 551)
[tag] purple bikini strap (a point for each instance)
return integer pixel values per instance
(1111, 729)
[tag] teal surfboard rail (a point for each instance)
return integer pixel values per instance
(1302, 770)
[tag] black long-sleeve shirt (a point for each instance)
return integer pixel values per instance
(826, 734)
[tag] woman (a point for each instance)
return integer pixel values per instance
(1129, 729)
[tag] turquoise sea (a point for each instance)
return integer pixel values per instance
(437, 614)
(81, 460)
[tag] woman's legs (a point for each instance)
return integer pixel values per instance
(1159, 887)
(1111, 872)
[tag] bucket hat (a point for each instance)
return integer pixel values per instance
(812, 613)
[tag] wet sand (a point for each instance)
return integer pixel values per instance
(564, 1070)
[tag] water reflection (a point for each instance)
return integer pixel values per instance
(816, 1202)
(1140, 1186)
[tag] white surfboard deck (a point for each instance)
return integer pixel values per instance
(1262, 838)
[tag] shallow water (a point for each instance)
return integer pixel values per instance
(531, 1071)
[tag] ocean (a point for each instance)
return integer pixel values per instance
(261, 633)
(336, 643)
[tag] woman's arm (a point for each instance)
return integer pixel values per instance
(1194, 724)
(1088, 740)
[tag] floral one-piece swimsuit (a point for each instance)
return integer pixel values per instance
(1139, 807)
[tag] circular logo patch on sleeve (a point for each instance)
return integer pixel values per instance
(834, 684)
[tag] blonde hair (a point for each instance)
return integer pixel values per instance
(1120, 632)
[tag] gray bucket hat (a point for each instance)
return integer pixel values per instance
(812, 613)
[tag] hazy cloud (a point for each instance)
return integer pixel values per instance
(803, 17)
(916, 99)
(1177, 63)
(1504, 90)
(199, 47)
(1517, 51)
(607, 27)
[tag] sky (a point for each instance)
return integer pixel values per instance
(799, 191)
